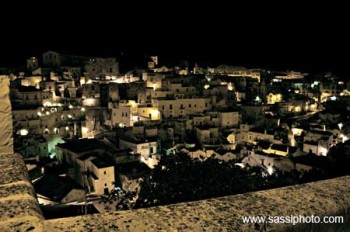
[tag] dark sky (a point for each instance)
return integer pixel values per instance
(289, 37)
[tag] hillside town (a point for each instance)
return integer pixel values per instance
(90, 133)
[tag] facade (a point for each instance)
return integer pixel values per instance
(102, 67)
(32, 63)
(207, 134)
(122, 116)
(228, 119)
(102, 176)
(32, 146)
(91, 167)
(291, 75)
(145, 147)
(52, 59)
(55, 60)
(274, 98)
(29, 96)
(318, 142)
(182, 106)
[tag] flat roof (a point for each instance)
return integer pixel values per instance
(81, 145)
(102, 162)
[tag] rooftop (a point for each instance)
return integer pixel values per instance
(81, 145)
(279, 147)
(138, 140)
(55, 187)
(102, 162)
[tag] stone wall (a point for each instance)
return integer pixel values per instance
(19, 209)
(6, 139)
(320, 198)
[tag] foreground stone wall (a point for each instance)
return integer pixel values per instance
(19, 209)
(320, 198)
(6, 139)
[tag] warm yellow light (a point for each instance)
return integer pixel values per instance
(154, 114)
(90, 101)
(132, 103)
(47, 104)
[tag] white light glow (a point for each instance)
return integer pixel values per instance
(240, 165)
(315, 84)
(23, 132)
(340, 125)
(270, 170)
(344, 138)
(121, 125)
(47, 104)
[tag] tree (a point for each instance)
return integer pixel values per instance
(179, 179)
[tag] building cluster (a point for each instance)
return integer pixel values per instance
(108, 130)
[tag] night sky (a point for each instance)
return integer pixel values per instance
(296, 38)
